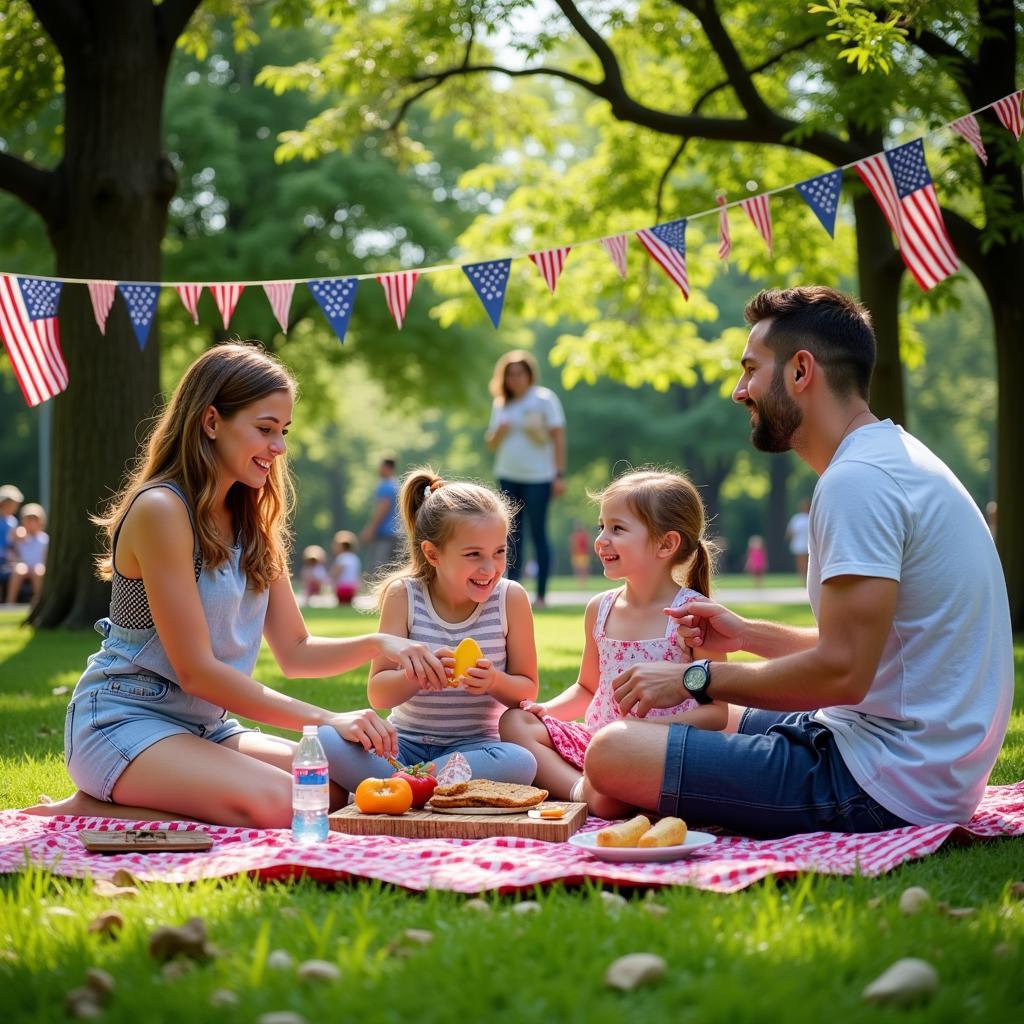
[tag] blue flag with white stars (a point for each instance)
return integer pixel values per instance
(141, 300)
(41, 297)
(336, 296)
(490, 280)
(822, 196)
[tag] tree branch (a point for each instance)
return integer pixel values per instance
(31, 184)
(664, 176)
(604, 53)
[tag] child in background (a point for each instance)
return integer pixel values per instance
(579, 551)
(451, 587)
(757, 560)
(652, 538)
(313, 574)
(346, 567)
(29, 545)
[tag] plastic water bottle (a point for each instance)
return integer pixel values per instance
(310, 798)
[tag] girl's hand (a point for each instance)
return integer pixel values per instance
(418, 662)
(534, 708)
(446, 656)
(369, 730)
(481, 678)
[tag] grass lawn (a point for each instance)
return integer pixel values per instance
(804, 949)
(723, 581)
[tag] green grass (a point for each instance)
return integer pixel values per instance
(725, 581)
(804, 949)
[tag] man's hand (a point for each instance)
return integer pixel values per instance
(708, 627)
(655, 685)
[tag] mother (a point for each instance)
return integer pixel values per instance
(197, 560)
(527, 434)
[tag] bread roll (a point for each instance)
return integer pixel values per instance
(626, 833)
(668, 832)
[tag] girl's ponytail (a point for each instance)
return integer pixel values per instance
(701, 568)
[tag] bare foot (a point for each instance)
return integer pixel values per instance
(80, 804)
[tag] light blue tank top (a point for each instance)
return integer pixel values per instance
(235, 614)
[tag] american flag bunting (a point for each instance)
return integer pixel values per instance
(760, 213)
(902, 187)
(31, 335)
(615, 246)
(101, 294)
(398, 291)
(141, 300)
(822, 195)
(226, 296)
(490, 282)
(666, 244)
(1008, 111)
(336, 296)
(968, 128)
(189, 294)
(724, 238)
(279, 294)
(550, 263)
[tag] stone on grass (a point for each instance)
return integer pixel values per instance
(123, 877)
(279, 960)
(478, 905)
(82, 1003)
(1017, 890)
(175, 969)
(187, 940)
(108, 923)
(101, 982)
(59, 912)
(914, 899)
(906, 982)
(633, 970)
(281, 1017)
(654, 909)
(418, 935)
(612, 900)
(102, 887)
(223, 997)
(526, 907)
(319, 970)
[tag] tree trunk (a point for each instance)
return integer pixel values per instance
(112, 192)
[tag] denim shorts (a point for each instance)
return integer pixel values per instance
(780, 774)
(114, 718)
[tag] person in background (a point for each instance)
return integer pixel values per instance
(346, 567)
(28, 553)
(10, 500)
(381, 534)
(313, 575)
(796, 534)
(527, 435)
(579, 551)
(990, 517)
(756, 563)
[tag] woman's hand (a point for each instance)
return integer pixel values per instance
(369, 730)
(419, 663)
(534, 708)
(481, 678)
(708, 627)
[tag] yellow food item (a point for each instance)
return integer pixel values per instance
(467, 654)
(668, 832)
(626, 833)
(552, 812)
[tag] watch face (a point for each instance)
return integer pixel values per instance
(694, 677)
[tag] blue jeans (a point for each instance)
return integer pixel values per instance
(532, 501)
(780, 774)
(489, 758)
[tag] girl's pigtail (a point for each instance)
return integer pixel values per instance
(701, 568)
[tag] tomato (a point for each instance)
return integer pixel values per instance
(421, 780)
(384, 796)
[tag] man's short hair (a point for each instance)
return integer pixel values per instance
(832, 326)
(390, 463)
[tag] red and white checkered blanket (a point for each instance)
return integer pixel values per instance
(505, 865)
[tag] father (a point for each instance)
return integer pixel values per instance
(891, 711)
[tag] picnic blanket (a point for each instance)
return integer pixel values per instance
(502, 865)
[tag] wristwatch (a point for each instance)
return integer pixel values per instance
(697, 679)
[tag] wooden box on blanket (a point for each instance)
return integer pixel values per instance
(425, 824)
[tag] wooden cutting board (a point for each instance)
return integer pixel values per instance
(429, 825)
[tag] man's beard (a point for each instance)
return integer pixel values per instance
(778, 417)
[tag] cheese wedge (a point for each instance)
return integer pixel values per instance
(625, 833)
(668, 832)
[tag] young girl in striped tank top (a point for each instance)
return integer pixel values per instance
(652, 538)
(451, 587)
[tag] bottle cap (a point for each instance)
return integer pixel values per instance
(309, 730)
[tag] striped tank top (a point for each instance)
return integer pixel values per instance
(450, 716)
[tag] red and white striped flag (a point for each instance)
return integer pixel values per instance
(279, 293)
(398, 290)
(758, 210)
(724, 239)
(550, 263)
(190, 298)
(667, 245)
(31, 335)
(902, 187)
(1008, 111)
(102, 295)
(615, 245)
(968, 128)
(226, 297)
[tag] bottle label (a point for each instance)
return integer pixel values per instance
(310, 776)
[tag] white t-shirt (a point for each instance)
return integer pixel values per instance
(346, 569)
(31, 549)
(526, 455)
(797, 533)
(924, 739)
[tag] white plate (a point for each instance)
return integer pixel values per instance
(475, 810)
(647, 854)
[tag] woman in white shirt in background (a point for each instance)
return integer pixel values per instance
(527, 435)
